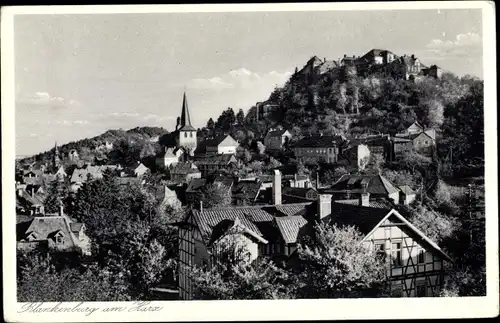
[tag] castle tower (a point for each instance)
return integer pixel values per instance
(187, 133)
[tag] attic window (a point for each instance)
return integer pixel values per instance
(59, 239)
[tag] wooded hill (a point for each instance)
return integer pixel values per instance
(128, 145)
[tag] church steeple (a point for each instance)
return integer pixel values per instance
(185, 117)
(56, 161)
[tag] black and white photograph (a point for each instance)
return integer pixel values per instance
(156, 157)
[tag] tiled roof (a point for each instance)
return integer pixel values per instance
(378, 203)
(378, 140)
(362, 217)
(246, 189)
(376, 184)
(297, 191)
(290, 226)
(75, 226)
(34, 200)
(249, 215)
(42, 227)
(319, 142)
(129, 180)
(184, 168)
(221, 160)
(196, 184)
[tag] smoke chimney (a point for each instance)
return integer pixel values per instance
(61, 209)
(201, 206)
(324, 205)
(277, 187)
(364, 199)
(32, 191)
(317, 180)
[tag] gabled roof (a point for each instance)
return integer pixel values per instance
(362, 217)
(318, 142)
(406, 190)
(236, 225)
(290, 226)
(46, 226)
(376, 184)
(377, 203)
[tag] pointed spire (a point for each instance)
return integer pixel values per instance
(185, 118)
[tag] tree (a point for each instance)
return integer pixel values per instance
(435, 113)
(210, 124)
(436, 226)
(215, 195)
(232, 275)
(240, 117)
(333, 263)
(57, 195)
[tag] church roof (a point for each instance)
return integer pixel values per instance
(185, 117)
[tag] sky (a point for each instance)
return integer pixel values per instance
(78, 75)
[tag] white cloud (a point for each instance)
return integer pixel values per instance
(241, 78)
(468, 44)
(47, 100)
(124, 114)
(68, 122)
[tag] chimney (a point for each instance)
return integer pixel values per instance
(32, 191)
(364, 199)
(20, 192)
(324, 205)
(61, 209)
(317, 180)
(277, 187)
(201, 206)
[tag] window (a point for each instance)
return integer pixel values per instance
(191, 134)
(421, 256)
(426, 142)
(59, 239)
(421, 290)
(185, 135)
(396, 254)
(380, 250)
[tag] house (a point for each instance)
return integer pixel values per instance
(276, 139)
(128, 181)
(30, 199)
(407, 67)
(414, 128)
(357, 155)
(406, 195)
(184, 172)
(81, 175)
(423, 143)
(433, 71)
(215, 163)
(169, 157)
(303, 193)
(73, 155)
(170, 198)
(105, 146)
(265, 110)
(378, 145)
(288, 180)
(223, 144)
(354, 185)
(245, 192)
(193, 190)
(318, 148)
(61, 173)
(57, 232)
(415, 264)
(140, 170)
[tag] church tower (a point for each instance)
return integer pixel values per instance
(187, 133)
(56, 163)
